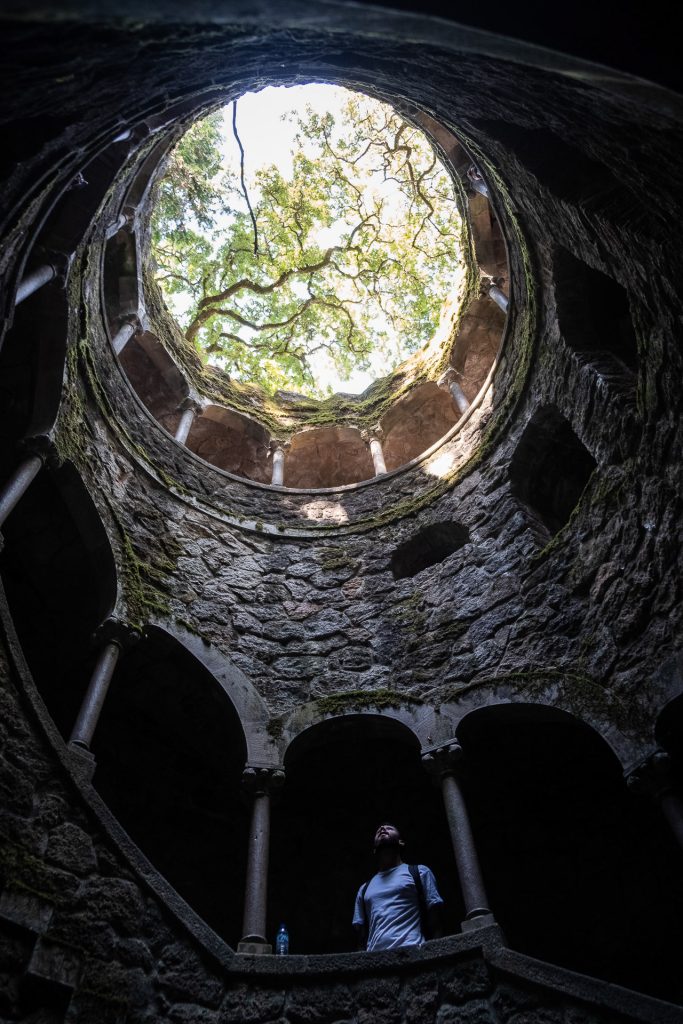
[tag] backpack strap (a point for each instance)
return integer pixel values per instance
(364, 910)
(421, 900)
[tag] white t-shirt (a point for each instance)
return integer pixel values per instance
(392, 907)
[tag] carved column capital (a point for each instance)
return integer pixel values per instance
(486, 283)
(132, 320)
(374, 433)
(60, 263)
(191, 404)
(260, 781)
(447, 378)
(116, 631)
(476, 181)
(652, 777)
(43, 446)
(443, 760)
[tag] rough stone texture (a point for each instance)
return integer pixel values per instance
(290, 597)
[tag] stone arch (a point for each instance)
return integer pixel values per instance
(566, 169)
(155, 378)
(120, 277)
(232, 442)
(477, 345)
(557, 829)
(416, 422)
(243, 696)
(555, 698)
(428, 724)
(170, 751)
(32, 364)
(34, 346)
(327, 457)
(344, 776)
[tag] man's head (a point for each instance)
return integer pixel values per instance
(387, 836)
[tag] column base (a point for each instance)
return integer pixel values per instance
(254, 945)
(82, 761)
(470, 924)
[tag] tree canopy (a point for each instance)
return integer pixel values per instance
(350, 254)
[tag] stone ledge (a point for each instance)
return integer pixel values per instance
(580, 986)
(434, 952)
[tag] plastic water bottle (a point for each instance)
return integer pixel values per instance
(282, 941)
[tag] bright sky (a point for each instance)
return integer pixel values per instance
(268, 139)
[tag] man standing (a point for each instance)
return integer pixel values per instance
(400, 904)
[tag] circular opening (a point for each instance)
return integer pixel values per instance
(307, 239)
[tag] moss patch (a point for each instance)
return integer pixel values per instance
(580, 693)
(335, 558)
(361, 700)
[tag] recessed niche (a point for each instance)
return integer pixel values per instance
(567, 171)
(155, 378)
(428, 547)
(327, 457)
(595, 317)
(550, 468)
(416, 422)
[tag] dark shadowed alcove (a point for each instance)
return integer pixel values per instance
(344, 777)
(578, 871)
(669, 735)
(59, 575)
(428, 547)
(550, 468)
(568, 171)
(32, 368)
(595, 317)
(170, 753)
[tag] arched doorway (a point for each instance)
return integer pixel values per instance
(579, 872)
(344, 777)
(170, 753)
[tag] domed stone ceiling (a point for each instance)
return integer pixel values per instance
(261, 670)
(431, 414)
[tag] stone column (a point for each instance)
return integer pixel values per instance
(442, 763)
(56, 265)
(259, 784)
(373, 439)
(449, 382)
(89, 714)
(130, 325)
(124, 219)
(19, 482)
(33, 281)
(491, 286)
(278, 448)
(477, 182)
(653, 777)
(189, 408)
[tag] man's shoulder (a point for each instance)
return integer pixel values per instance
(428, 880)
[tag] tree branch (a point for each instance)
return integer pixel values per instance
(244, 184)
